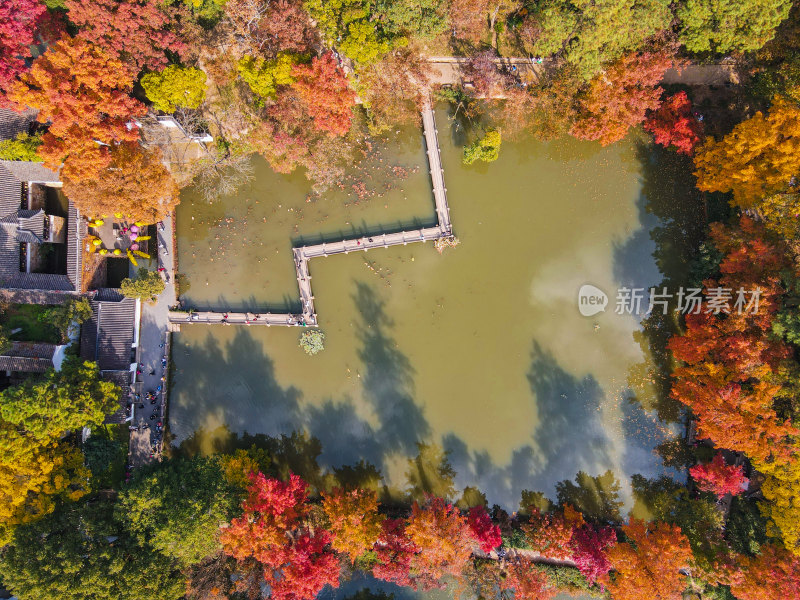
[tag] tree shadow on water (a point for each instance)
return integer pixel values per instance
(234, 386)
(224, 392)
(387, 377)
(570, 433)
(568, 437)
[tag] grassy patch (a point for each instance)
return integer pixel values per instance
(26, 318)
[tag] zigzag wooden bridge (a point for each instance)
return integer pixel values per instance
(303, 254)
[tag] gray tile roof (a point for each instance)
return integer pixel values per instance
(18, 226)
(123, 380)
(107, 336)
(29, 171)
(28, 357)
(12, 123)
(10, 192)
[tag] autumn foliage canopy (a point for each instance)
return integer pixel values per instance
(719, 478)
(85, 95)
(674, 125)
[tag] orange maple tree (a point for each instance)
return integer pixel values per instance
(135, 184)
(772, 575)
(619, 97)
(731, 358)
(526, 582)
(354, 520)
(322, 86)
(443, 539)
(550, 534)
(649, 565)
(83, 93)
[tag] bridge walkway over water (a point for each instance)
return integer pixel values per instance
(303, 254)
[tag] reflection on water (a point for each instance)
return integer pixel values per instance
(481, 350)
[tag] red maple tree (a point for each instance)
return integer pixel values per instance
(590, 546)
(394, 551)
(19, 20)
(272, 508)
(268, 27)
(674, 124)
(138, 32)
(719, 478)
(296, 562)
(324, 90)
(486, 533)
(302, 568)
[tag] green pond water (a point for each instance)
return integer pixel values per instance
(482, 349)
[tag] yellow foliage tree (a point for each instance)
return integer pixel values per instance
(781, 490)
(780, 212)
(755, 160)
(354, 520)
(33, 474)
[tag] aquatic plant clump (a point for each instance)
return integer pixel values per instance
(312, 341)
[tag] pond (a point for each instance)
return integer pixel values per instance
(480, 350)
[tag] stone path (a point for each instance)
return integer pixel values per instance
(154, 343)
(448, 70)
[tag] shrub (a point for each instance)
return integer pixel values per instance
(312, 341)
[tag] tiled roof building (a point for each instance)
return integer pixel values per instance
(28, 357)
(32, 215)
(109, 337)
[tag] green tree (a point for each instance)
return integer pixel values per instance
(175, 87)
(148, 285)
(103, 456)
(698, 518)
(82, 552)
(597, 498)
(204, 10)
(176, 507)
(591, 33)
(60, 401)
(486, 148)
(730, 25)
(23, 147)
(5, 340)
(422, 18)
(62, 317)
(350, 26)
(264, 76)
(430, 473)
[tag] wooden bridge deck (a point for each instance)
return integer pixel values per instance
(303, 254)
